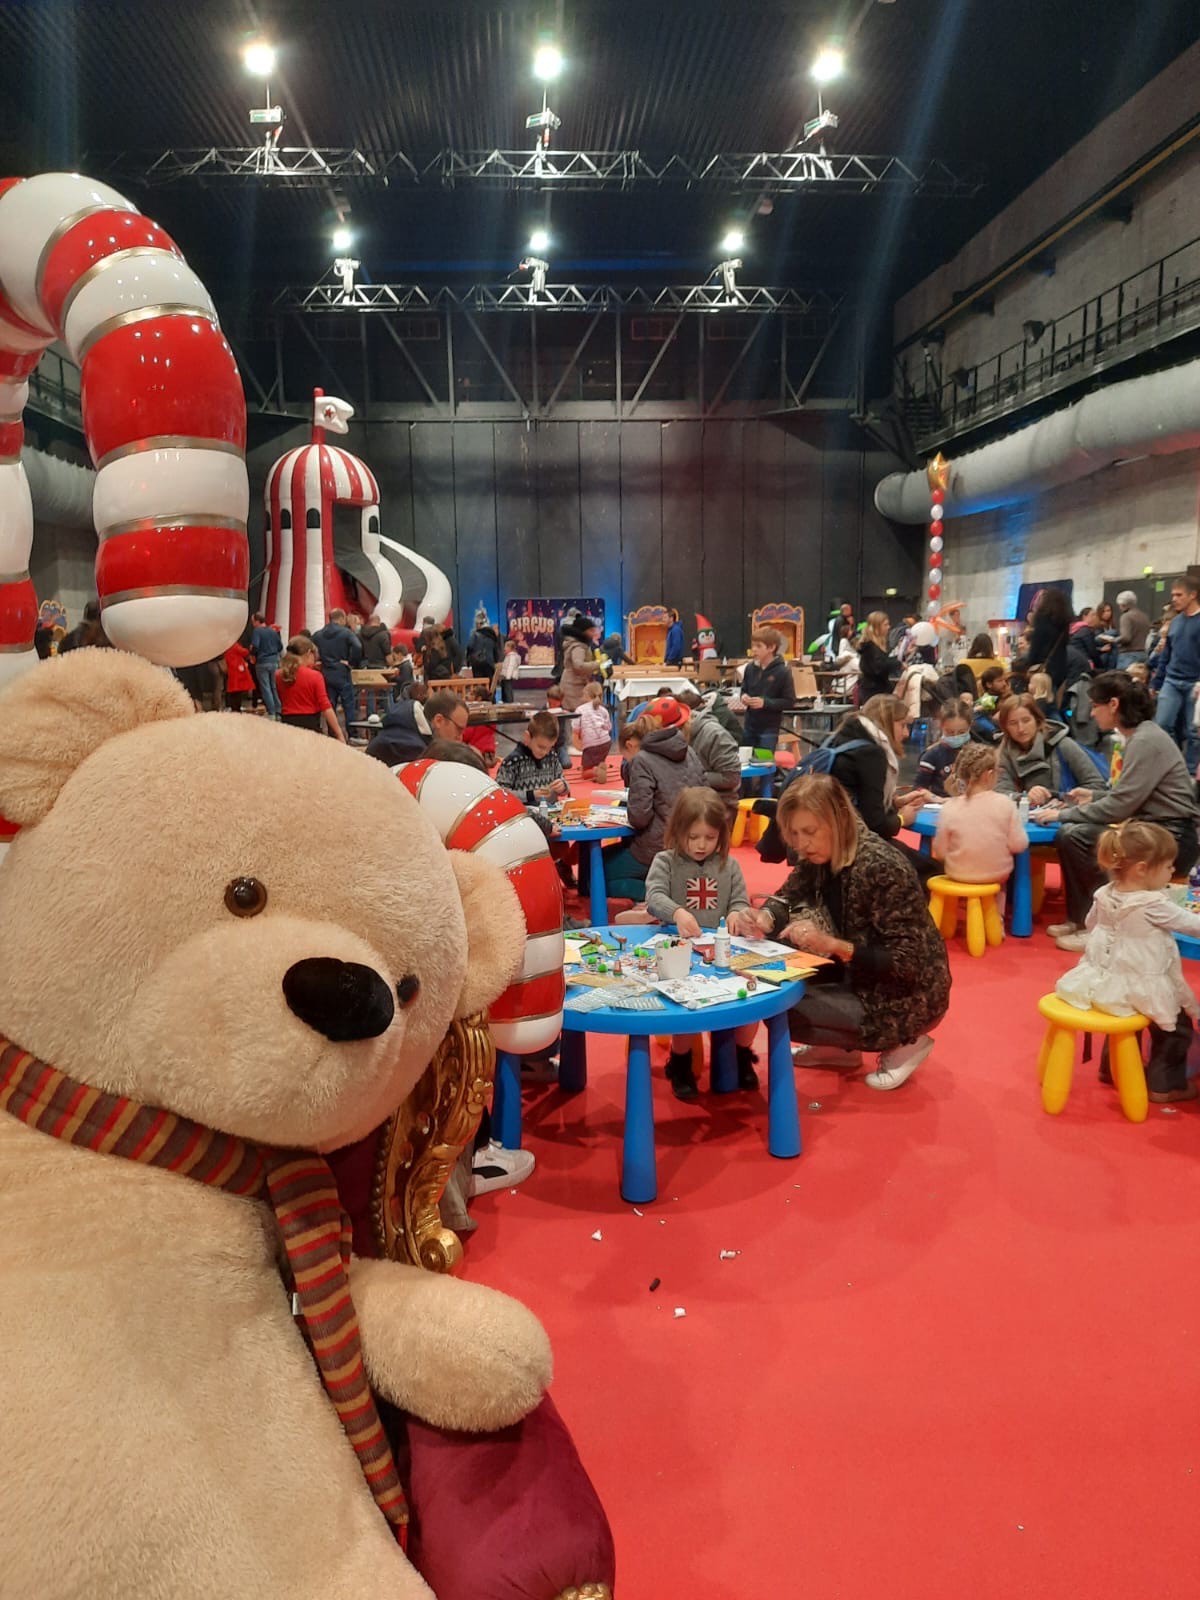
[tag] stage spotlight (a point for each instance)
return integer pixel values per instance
(539, 240)
(547, 62)
(733, 241)
(829, 64)
(342, 239)
(259, 58)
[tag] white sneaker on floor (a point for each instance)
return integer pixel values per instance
(1073, 941)
(826, 1055)
(1059, 930)
(494, 1167)
(898, 1065)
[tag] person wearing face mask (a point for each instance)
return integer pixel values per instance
(852, 898)
(934, 766)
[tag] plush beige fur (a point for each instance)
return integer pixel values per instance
(163, 1430)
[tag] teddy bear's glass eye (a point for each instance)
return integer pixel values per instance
(246, 897)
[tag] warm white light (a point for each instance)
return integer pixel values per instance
(342, 238)
(830, 64)
(259, 57)
(539, 240)
(547, 62)
(733, 241)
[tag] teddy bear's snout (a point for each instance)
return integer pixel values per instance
(341, 999)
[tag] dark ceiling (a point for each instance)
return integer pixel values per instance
(1003, 85)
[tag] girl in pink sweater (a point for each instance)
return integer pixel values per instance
(979, 830)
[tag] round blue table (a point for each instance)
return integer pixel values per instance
(925, 824)
(764, 770)
(639, 1182)
(593, 838)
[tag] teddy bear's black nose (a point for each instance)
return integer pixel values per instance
(341, 999)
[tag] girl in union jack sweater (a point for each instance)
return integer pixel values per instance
(693, 883)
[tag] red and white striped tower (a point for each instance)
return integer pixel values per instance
(163, 414)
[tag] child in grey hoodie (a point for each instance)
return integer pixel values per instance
(692, 884)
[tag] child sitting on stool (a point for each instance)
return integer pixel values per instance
(533, 772)
(1130, 962)
(934, 766)
(693, 883)
(979, 831)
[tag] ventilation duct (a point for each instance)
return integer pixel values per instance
(1157, 415)
(61, 492)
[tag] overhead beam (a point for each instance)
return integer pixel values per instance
(328, 297)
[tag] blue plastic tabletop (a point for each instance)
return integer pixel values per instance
(1189, 949)
(576, 833)
(758, 769)
(671, 1018)
(926, 822)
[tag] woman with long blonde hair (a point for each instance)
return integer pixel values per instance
(877, 670)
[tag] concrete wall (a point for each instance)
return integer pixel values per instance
(1110, 526)
(1097, 254)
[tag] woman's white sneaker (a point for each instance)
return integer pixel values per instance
(1059, 930)
(898, 1065)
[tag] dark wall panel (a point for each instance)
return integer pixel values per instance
(516, 512)
(724, 531)
(385, 447)
(641, 514)
(477, 580)
(682, 522)
(558, 507)
(600, 519)
(765, 502)
(435, 531)
(802, 530)
(841, 524)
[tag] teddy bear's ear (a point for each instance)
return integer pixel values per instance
(495, 931)
(54, 715)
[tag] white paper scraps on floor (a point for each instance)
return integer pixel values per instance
(598, 1236)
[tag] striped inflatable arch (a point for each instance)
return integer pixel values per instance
(470, 812)
(164, 416)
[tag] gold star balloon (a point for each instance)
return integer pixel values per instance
(937, 471)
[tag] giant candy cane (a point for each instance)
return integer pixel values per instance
(473, 813)
(163, 414)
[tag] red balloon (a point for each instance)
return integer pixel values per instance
(935, 529)
(935, 558)
(935, 591)
(938, 496)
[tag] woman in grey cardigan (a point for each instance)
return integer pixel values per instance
(1039, 758)
(1155, 786)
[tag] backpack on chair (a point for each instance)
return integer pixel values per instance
(817, 763)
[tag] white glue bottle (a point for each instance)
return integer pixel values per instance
(722, 949)
(1023, 809)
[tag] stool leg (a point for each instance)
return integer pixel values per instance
(993, 923)
(1039, 886)
(976, 939)
(1130, 1076)
(1060, 1062)
(936, 907)
(1044, 1053)
(950, 918)
(739, 829)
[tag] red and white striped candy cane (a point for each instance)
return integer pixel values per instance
(163, 414)
(473, 813)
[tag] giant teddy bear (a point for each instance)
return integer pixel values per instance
(254, 931)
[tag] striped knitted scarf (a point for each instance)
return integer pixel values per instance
(298, 1187)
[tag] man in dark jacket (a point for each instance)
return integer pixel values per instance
(267, 649)
(766, 690)
(340, 653)
(1178, 670)
(403, 736)
(376, 643)
(483, 647)
(74, 639)
(673, 652)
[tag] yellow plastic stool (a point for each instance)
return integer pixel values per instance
(747, 823)
(984, 926)
(1056, 1059)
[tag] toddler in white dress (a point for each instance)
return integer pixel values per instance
(1131, 962)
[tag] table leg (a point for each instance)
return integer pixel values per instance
(572, 1063)
(639, 1182)
(1022, 896)
(599, 889)
(783, 1117)
(926, 844)
(506, 1101)
(768, 787)
(723, 1057)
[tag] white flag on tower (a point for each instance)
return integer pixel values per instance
(332, 414)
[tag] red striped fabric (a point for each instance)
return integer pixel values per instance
(298, 1186)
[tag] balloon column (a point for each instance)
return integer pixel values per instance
(938, 473)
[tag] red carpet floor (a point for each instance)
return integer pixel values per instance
(952, 1357)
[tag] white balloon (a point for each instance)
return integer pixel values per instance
(936, 542)
(936, 513)
(931, 610)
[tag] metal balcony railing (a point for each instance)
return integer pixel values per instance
(1156, 304)
(54, 389)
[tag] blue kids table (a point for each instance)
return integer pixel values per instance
(764, 770)
(639, 1182)
(593, 838)
(926, 823)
